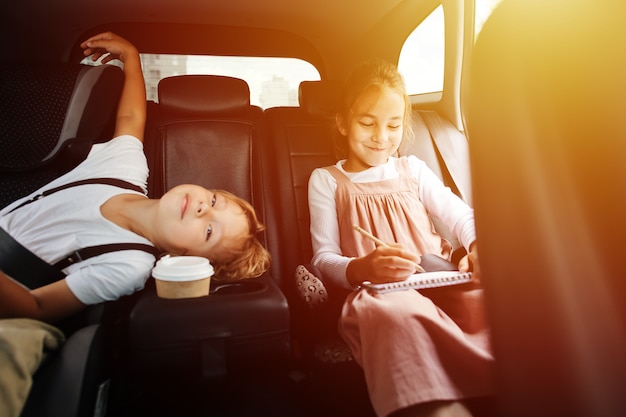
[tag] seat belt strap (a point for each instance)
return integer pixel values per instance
(109, 181)
(29, 269)
(91, 251)
(24, 266)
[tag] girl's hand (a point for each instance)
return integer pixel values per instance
(108, 43)
(470, 262)
(384, 264)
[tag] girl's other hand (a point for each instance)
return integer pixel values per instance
(470, 262)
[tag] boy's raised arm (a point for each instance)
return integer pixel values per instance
(131, 111)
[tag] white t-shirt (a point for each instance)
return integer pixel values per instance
(67, 220)
(436, 197)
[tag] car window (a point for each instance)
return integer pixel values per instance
(422, 56)
(421, 59)
(482, 12)
(272, 81)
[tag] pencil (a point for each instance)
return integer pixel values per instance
(369, 235)
(379, 242)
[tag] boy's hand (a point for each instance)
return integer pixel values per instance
(108, 43)
(131, 109)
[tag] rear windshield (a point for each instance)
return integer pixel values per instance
(272, 81)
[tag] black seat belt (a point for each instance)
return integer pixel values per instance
(109, 181)
(24, 266)
(29, 269)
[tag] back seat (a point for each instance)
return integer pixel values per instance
(300, 140)
(204, 131)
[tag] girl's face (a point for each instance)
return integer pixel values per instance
(373, 129)
(199, 222)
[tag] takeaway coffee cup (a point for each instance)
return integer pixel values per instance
(182, 276)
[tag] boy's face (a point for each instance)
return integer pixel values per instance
(195, 221)
(374, 128)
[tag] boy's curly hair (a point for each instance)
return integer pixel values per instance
(251, 259)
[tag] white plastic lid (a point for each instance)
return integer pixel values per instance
(182, 268)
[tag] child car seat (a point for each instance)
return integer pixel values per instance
(50, 114)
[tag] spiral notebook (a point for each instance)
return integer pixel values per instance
(422, 280)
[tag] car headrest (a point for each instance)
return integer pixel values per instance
(202, 94)
(45, 106)
(319, 97)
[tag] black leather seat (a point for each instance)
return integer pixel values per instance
(204, 131)
(300, 140)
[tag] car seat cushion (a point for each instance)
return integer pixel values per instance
(204, 94)
(310, 288)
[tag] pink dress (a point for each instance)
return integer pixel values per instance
(414, 346)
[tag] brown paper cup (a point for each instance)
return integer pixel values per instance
(182, 276)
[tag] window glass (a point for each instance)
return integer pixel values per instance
(272, 81)
(482, 12)
(422, 56)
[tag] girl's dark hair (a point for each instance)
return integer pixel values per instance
(374, 73)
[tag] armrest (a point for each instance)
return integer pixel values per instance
(239, 324)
